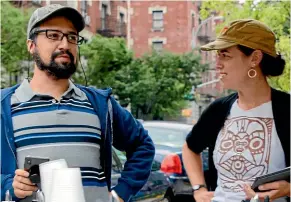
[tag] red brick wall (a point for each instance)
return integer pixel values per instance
(177, 25)
(94, 11)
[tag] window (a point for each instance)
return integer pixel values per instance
(173, 137)
(156, 166)
(103, 16)
(121, 21)
(121, 17)
(121, 156)
(84, 8)
(158, 21)
(157, 46)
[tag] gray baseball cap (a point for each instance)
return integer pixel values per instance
(43, 13)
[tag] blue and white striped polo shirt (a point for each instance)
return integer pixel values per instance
(68, 128)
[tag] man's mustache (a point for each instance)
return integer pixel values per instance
(56, 54)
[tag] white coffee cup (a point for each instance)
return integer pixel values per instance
(46, 175)
(67, 186)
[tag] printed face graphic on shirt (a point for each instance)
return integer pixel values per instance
(243, 151)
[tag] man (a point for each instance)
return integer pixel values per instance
(49, 116)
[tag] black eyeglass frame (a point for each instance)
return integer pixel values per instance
(80, 39)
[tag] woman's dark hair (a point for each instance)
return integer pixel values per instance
(270, 66)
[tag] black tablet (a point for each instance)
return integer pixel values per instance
(271, 177)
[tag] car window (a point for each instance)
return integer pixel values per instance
(121, 156)
(166, 136)
(114, 164)
(156, 166)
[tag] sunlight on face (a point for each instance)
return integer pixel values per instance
(47, 47)
(53, 50)
(232, 66)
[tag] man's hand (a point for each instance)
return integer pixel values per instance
(203, 195)
(274, 190)
(22, 185)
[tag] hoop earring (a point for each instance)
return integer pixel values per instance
(252, 71)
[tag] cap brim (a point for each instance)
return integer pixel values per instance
(73, 15)
(218, 44)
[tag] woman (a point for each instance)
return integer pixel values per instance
(248, 132)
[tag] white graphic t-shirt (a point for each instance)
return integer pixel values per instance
(247, 146)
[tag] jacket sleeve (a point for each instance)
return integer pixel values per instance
(6, 184)
(131, 137)
(7, 175)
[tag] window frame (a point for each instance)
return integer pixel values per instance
(155, 19)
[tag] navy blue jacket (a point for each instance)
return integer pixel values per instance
(126, 134)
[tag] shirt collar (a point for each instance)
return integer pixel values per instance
(24, 92)
(73, 87)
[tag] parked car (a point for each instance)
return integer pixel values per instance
(169, 138)
(168, 181)
(153, 190)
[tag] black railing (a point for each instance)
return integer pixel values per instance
(111, 28)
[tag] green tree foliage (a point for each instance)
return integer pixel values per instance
(13, 36)
(154, 84)
(157, 83)
(105, 56)
(276, 14)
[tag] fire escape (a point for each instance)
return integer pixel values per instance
(110, 25)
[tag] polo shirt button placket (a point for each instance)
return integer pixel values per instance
(54, 101)
(59, 103)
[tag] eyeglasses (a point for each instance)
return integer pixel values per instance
(57, 35)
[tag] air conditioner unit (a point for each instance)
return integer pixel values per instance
(87, 20)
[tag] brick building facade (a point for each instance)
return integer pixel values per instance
(107, 18)
(163, 25)
(174, 26)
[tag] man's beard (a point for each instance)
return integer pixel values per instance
(60, 71)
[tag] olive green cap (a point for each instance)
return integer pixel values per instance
(246, 32)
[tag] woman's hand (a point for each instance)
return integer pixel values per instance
(274, 190)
